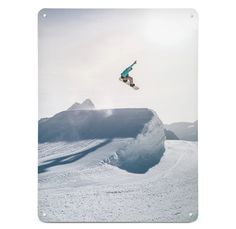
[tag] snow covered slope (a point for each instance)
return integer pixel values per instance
(114, 166)
(75, 184)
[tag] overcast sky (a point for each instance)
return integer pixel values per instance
(83, 52)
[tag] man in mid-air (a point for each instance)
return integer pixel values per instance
(125, 75)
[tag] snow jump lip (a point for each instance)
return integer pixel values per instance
(138, 165)
(144, 152)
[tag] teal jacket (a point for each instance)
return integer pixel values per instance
(125, 73)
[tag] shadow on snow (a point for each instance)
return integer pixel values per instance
(70, 158)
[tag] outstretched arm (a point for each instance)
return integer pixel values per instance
(135, 62)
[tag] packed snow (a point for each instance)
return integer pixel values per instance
(75, 188)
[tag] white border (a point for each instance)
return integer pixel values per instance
(217, 74)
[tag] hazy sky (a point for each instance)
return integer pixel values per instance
(83, 52)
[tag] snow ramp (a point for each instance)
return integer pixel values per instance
(141, 125)
(144, 151)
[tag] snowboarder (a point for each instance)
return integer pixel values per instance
(125, 75)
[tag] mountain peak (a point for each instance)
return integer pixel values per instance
(86, 105)
(75, 106)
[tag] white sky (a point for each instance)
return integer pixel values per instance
(83, 52)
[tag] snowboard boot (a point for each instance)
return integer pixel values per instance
(123, 78)
(132, 85)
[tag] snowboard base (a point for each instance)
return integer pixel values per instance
(128, 83)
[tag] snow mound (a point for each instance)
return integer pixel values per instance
(141, 126)
(144, 151)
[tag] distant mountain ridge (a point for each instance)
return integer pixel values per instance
(170, 135)
(86, 105)
(187, 131)
(66, 121)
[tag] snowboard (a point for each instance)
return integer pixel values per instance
(134, 87)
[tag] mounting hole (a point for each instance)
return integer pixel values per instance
(191, 15)
(190, 214)
(44, 15)
(44, 214)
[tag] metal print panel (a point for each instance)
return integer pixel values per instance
(117, 129)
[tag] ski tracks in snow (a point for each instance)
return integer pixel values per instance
(175, 165)
(94, 191)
